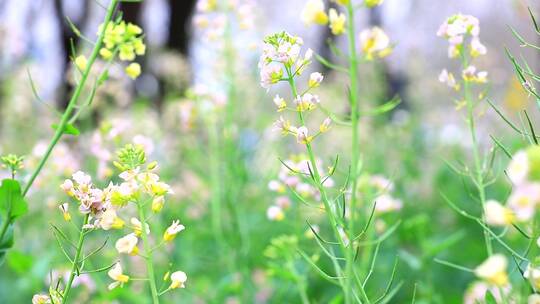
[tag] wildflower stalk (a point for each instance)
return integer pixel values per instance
(75, 265)
(60, 130)
(148, 255)
(353, 77)
(232, 158)
(347, 287)
(477, 177)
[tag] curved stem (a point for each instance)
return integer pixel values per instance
(148, 255)
(73, 100)
(75, 265)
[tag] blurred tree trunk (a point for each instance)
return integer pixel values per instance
(65, 88)
(179, 29)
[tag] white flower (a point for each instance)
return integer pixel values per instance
(116, 274)
(315, 79)
(477, 48)
(448, 78)
(493, 270)
(127, 244)
(313, 12)
(82, 178)
(496, 214)
(302, 135)
(386, 203)
(178, 279)
(41, 299)
(523, 200)
(275, 213)
(533, 275)
(518, 169)
(280, 103)
(534, 299)
(67, 186)
(172, 230)
(109, 220)
(137, 226)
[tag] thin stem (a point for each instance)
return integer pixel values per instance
(478, 177)
(355, 153)
(73, 101)
(324, 197)
(75, 264)
(148, 253)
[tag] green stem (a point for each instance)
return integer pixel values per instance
(477, 177)
(73, 101)
(148, 255)
(353, 75)
(75, 264)
(324, 197)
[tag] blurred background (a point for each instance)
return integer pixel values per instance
(408, 144)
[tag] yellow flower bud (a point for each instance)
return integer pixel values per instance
(81, 62)
(133, 70)
(105, 53)
(157, 203)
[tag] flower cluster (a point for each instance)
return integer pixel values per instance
(456, 29)
(12, 162)
(462, 33)
(292, 175)
(124, 39)
(281, 61)
(374, 42)
(524, 173)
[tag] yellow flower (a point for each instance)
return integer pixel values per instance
(178, 278)
(105, 53)
(372, 3)
(127, 52)
(109, 220)
(137, 226)
(127, 244)
(497, 214)
(64, 208)
(342, 2)
(493, 270)
(337, 22)
(133, 70)
(313, 12)
(375, 43)
(132, 29)
(157, 203)
(81, 62)
(173, 229)
(116, 274)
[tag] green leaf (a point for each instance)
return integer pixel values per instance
(11, 199)
(21, 263)
(68, 129)
(489, 298)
